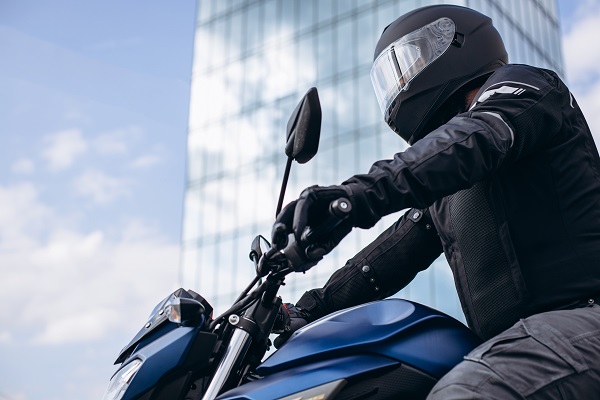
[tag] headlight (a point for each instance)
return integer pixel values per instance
(181, 310)
(120, 381)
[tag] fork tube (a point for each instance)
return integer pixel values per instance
(240, 341)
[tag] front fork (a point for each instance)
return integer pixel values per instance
(255, 325)
(230, 363)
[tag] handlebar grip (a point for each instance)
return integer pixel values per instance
(303, 257)
(339, 210)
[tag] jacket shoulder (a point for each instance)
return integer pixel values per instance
(523, 75)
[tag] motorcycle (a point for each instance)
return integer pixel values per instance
(386, 349)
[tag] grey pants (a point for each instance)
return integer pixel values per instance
(553, 355)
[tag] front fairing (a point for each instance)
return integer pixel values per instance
(170, 363)
(171, 353)
(159, 324)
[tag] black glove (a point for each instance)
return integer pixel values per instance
(289, 319)
(311, 210)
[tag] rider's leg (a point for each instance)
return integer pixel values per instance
(551, 355)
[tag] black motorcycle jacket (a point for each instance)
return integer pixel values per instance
(512, 187)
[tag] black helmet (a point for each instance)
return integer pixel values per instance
(426, 60)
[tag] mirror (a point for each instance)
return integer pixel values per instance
(304, 128)
(302, 137)
(259, 246)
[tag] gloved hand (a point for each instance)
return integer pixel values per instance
(289, 319)
(311, 210)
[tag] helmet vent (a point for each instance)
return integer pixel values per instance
(458, 40)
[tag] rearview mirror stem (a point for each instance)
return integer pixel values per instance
(286, 175)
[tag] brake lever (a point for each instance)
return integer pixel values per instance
(269, 262)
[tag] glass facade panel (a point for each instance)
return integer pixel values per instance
(325, 52)
(345, 45)
(254, 59)
(365, 37)
(306, 14)
(325, 11)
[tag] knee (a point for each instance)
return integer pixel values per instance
(471, 380)
(462, 382)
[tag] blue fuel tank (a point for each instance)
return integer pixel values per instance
(358, 341)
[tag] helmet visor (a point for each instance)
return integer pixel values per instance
(401, 61)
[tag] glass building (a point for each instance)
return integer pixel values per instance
(253, 61)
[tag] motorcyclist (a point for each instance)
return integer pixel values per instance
(502, 176)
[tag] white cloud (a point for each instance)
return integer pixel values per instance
(146, 161)
(580, 55)
(71, 286)
(100, 188)
(583, 62)
(12, 396)
(5, 337)
(589, 101)
(117, 141)
(21, 216)
(81, 326)
(102, 290)
(24, 166)
(109, 144)
(63, 148)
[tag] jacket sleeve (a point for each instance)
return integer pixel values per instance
(517, 110)
(381, 269)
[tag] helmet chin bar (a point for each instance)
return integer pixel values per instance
(408, 117)
(393, 110)
(436, 114)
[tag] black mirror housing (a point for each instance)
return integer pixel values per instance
(304, 128)
(259, 246)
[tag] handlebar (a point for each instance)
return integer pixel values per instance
(301, 257)
(294, 257)
(339, 210)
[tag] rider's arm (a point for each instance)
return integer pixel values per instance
(516, 112)
(381, 269)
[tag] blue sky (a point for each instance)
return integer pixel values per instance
(94, 102)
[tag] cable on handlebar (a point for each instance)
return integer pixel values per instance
(245, 292)
(237, 307)
(243, 303)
